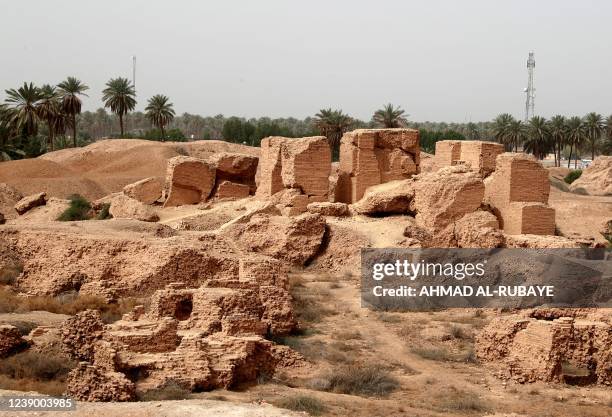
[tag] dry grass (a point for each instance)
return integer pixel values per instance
(368, 380)
(171, 391)
(69, 304)
(461, 401)
(302, 403)
(9, 274)
(32, 371)
(443, 354)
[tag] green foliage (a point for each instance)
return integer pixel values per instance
(572, 176)
(79, 209)
(104, 214)
(310, 405)
(120, 97)
(390, 117)
(160, 112)
(172, 135)
(429, 138)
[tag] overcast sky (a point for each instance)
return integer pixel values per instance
(440, 60)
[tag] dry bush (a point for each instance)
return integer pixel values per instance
(53, 388)
(171, 391)
(36, 366)
(33, 371)
(362, 380)
(9, 274)
(443, 354)
(347, 335)
(460, 333)
(70, 304)
(24, 327)
(410, 331)
(389, 318)
(462, 401)
(302, 403)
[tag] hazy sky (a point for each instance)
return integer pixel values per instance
(440, 60)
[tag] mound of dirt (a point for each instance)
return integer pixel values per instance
(104, 167)
(596, 179)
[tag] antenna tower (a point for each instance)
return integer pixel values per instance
(530, 90)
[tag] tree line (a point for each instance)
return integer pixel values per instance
(56, 108)
(34, 120)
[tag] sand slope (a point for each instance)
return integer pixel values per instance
(104, 167)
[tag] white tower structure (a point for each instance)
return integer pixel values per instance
(530, 90)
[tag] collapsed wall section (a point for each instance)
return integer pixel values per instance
(480, 155)
(374, 156)
(302, 165)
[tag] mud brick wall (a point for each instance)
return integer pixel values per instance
(295, 163)
(480, 155)
(518, 191)
(374, 156)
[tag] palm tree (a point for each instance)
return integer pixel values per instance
(70, 90)
(160, 112)
(607, 148)
(576, 135)
(538, 141)
(500, 127)
(49, 109)
(594, 126)
(120, 96)
(7, 150)
(472, 131)
(23, 101)
(558, 134)
(332, 124)
(390, 116)
(515, 133)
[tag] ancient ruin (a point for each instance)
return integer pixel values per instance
(480, 155)
(561, 346)
(518, 193)
(302, 165)
(374, 156)
(188, 181)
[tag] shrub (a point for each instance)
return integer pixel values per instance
(24, 327)
(311, 405)
(362, 380)
(36, 366)
(572, 176)
(463, 401)
(79, 209)
(459, 332)
(9, 274)
(169, 392)
(443, 354)
(104, 214)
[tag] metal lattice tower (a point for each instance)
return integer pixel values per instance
(530, 90)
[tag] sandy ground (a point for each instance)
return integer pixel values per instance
(185, 408)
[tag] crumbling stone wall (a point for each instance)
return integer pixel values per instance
(518, 193)
(480, 155)
(302, 164)
(374, 156)
(565, 349)
(188, 180)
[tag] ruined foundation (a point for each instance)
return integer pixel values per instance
(480, 155)
(374, 156)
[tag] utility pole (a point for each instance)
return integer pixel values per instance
(134, 71)
(530, 90)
